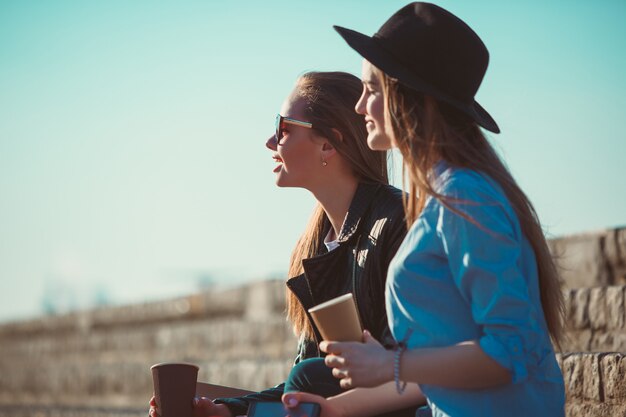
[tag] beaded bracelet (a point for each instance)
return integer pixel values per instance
(398, 351)
(397, 355)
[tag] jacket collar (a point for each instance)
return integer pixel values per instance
(360, 203)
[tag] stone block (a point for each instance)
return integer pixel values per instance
(579, 305)
(572, 376)
(601, 341)
(619, 342)
(616, 311)
(592, 389)
(581, 374)
(614, 378)
(581, 260)
(597, 308)
(615, 253)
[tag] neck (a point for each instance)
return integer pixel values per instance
(336, 199)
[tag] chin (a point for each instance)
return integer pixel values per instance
(378, 142)
(283, 182)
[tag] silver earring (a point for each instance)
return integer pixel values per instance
(324, 163)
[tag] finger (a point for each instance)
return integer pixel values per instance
(340, 373)
(203, 406)
(346, 383)
(331, 347)
(368, 338)
(292, 399)
(202, 402)
(334, 361)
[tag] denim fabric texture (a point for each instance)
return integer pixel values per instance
(455, 280)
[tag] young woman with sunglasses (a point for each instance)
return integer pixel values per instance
(320, 145)
(473, 295)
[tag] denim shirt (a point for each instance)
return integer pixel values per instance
(454, 280)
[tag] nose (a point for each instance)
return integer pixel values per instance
(359, 107)
(271, 143)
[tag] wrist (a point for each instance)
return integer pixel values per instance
(398, 353)
(388, 368)
(337, 406)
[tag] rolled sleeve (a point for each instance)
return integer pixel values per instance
(483, 252)
(508, 352)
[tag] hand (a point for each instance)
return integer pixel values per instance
(202, 407)
(293, 399)
(153, 407)
(356, 364)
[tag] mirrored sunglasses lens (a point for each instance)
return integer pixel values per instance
(279, 128)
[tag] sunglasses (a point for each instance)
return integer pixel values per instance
(280, 120)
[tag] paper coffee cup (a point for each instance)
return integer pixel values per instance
(338, 319)
(174, 388)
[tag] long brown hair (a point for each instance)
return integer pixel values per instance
(330, 98)
(427, 130)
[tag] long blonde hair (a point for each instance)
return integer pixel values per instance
(330, 98)
(427, 130)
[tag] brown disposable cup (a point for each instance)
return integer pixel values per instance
(174, 388)
(338, 320)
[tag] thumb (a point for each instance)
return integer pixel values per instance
(293, 399)
(202, 404)
(368, 338)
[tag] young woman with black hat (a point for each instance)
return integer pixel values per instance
(473, 297)
(320, 145)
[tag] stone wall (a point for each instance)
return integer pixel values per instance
(96, 363)
(592, 259)
(99, 361)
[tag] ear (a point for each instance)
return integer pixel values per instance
(328, 150)
(338, 135)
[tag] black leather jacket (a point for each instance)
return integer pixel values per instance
(370, 236)
(372, 231)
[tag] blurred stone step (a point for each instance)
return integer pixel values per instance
(595, 386)
(224, 338)
(20, 410)
(126, 384)
(252, 302)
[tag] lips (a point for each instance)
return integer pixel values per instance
(279, 161)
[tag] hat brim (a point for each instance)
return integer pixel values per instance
(370, 49)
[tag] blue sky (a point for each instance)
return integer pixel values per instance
(132, 164)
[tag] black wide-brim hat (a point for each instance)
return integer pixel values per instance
(431, 51)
